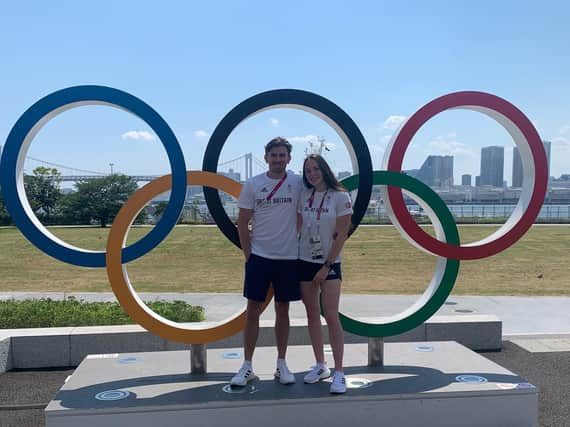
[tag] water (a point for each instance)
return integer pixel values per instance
(547, 212)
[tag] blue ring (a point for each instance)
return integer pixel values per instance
(62, 98)
(298, 98)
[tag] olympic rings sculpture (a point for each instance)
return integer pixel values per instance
(445, 246)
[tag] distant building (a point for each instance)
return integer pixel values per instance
(492, 166)
(477, 181)
(343, 174)
(466, 180)
(437, 171)
(517, 169)
(412, 172)
(547, 145)
(236, 176)
(517, 164)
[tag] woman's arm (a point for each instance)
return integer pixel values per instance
(339, 237)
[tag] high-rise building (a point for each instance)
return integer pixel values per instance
(466, 180)
(236, 176)
(492, 166)
(547, 145)
(343, 174)
(437, 171)
(517, 168)
(517, 164)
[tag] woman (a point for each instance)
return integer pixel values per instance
(324, 217)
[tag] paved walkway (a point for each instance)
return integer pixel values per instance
(520, 315)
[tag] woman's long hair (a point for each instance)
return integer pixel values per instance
(328, 176)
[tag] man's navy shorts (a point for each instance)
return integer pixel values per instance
(282, 274)
(307, 271)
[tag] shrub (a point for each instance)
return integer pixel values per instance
(48, 313)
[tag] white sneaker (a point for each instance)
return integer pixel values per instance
(244, 375)
(338, 385)
(283, 374)
(317, 373)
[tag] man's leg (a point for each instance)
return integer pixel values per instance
(251, 330)
(281, 327)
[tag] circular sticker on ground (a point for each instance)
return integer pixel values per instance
(471, 379)
(506, 386)
(352, 382)
(524, 386)
(231, 354)
(126, 360)
(425, 348)
(228, 388)
(112, 395)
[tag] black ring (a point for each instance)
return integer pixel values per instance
(286, 98)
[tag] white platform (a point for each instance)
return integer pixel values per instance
(418, 386)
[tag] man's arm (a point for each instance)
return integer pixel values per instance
(244, 217)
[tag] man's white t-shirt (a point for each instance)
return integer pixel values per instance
(274, 231)
(335, 204)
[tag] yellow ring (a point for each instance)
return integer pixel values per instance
(119, 278)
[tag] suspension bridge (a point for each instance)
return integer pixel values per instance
(240, 169)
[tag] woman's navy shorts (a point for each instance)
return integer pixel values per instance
(307, 271)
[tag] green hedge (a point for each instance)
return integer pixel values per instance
(48, 313)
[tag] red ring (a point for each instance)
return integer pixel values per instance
(403, 139)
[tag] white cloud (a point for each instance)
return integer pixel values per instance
(274, 122)
(393, 122)
(562, 141)
(200, 133)
(138, 134)
(445, 146)
(565, 129)
(303, 139)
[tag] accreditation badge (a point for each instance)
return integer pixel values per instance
(315, 244)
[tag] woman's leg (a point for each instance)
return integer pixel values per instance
(331, 295)
(310, 294)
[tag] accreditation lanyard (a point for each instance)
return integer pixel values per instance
(279, 184)
(312, 199)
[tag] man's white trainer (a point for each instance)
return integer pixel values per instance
(244, 375)
(317, 373)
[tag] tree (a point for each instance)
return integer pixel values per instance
(99, 199)
(42, 190)
(159, 209)
(4, 215)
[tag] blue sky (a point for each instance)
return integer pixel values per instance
(194, 61)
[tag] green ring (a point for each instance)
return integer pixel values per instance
(451, 266)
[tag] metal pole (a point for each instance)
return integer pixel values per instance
(198, 359)
(375, 351)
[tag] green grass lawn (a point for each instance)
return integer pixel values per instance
(376, 260)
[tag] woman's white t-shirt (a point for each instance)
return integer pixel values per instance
(335, 204)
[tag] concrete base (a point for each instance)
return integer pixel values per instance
(420, 385)
(60, 347)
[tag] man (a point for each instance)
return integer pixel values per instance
(269, 200)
